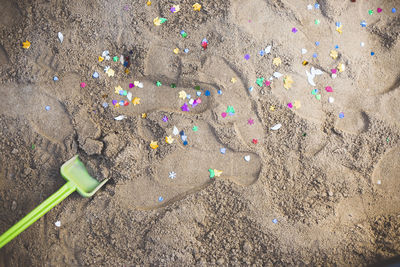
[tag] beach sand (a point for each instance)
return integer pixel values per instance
(320, 190)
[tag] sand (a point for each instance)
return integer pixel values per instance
(321, 190)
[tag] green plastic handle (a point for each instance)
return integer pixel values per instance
(38, 212)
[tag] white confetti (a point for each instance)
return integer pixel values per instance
(268, 49)
(120, 117)
(303, 51)
(140, 85)
(247, 158)
(129, 96)
(175, 131)
(310, 78)
(277, 75)
(276, 127)
(331, 99)
(57, 223)
(60, 37)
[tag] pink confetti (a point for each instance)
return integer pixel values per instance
(290, 105)
(83, 85)
(223, 114)
(379, 10)
(267, 83)
(334, 71)
(131, 85)
(329, 89)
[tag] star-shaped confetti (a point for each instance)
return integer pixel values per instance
(158, 21)
(110, 72)
(136, 101)
(296, 104)
(250, 121)
(310, 7)
(175, 8)
(182, 94)
(172, 175)
(255, 141)
(271, 108)
(165, 119)
(153, 144)
(117, 89)
(334, 54)
(196, 7)
(341, 67)
(277, 61)
(158, 83)
(195, 128)
(101, 58)
(169, 139)
(287, 82)
(144, 115)
(260, 81)
(26, 44)
(185, 107)
(339, 29)
(176, 51)
(233, 80)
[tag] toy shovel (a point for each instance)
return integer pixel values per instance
(78, 179)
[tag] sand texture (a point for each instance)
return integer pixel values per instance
(321, 190)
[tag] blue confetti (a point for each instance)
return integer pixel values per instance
(393, 10)
(188, 96)
(220, 92)
(262, 52)
(47, 108)
(181, 133)
(95, 75)
(316, 6)
(338, 24)
(186, 50)
(314, 55)
(198, 93)
(207, 93)
(105, 105)
(223, 150)
(317, 43)
(372, 53)
(185, 143)
(55, 78)
(204, 40)
(341, 115)
(275, 221)
(336, 47)
(251, 89)
(160, 199)
(363, 23)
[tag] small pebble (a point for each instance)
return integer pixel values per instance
(47, 108)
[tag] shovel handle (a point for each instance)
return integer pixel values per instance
(38, 212)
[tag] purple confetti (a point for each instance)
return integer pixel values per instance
(247, 57)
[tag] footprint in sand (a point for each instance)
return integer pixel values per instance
(191, 163)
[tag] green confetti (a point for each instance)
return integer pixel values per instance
(197, 87)
(158, 83)
(318, 97)
(304, 134)
(370, 12)
(33, 146)
(195, 128)
(173, 85)
(260, 81)
(317, 21)
(230, 109)
(184, 34)
(115, 59)
(212, 173)
(162, 20)
(387, 139)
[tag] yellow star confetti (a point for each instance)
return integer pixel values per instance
(110, 72)
(341, 67)
(157, 21)
(26, 44)
(153, 144)
(136, 83)
(233, 80)
(182, 94)
(136, 101)
(297, 104)
(217, 173)
(339, 29)
(277, 61)
(101, 59)
(287, 82)
(127, 71)
(334, 54)
(196, 7)
(169, 139)
(176, 50)
(272, 108)
(177, 8)
(148, 3)
(144, 115)
(117, 89)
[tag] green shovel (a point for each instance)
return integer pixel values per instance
(78, 179)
